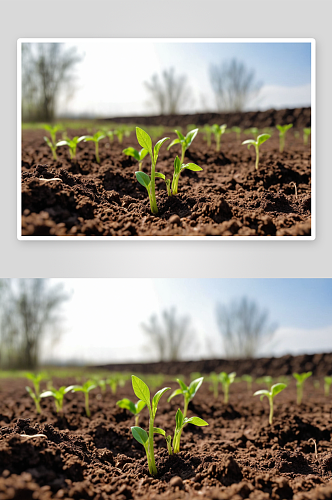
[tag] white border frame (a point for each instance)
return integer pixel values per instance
(312, 41)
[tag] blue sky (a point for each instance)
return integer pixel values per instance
(110, 79)
(103, 317)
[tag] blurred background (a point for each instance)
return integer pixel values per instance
(112, 78)
(99, 321)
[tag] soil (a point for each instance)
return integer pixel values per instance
(228, 198)
(238, 456)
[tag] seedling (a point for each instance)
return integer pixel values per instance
(138, 155)
(260, 139)
(178, 167)
(188, 392)
(293, 184)
(145, 142)
(312, 440)
(300, 378)
(88, 386)
(134, 408)
(327, 385)
(218, 131)
(58, 395)
(185, 141)
(98, 136)
(52, 131)
(114, 380)
(52, 147)
(191, 127)
(121, 132)
(142, 391)
(35, 397)
(207, 133)
(275, 389)
(282, 132)
(226, 380)
(267, 380)
(306, 133)
(72, 145)
(215, 380)
(237, 130)
(252, 131)
(248, 379)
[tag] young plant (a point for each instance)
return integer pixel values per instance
(36, 398)
(306, 133)
(134, 408)
(72, 145)
(178, 167)
(120, 132)
(142, 391)
(215, 380)
(260, 139)
(188, 392)
(267, 380)
(52, 147)
(282, 132)
(252, 131)
(58, 395)
(145, 142)
(237, 130)
(114, 380)
(218, 131)
(327, 385)
(184, 141)
(300, 378)
(275, 389)
(88, 386)
(226, 380)
(138, 155)
(98, 136)
(207, 129)
(53, 131)
(248, 379)
(35, 394)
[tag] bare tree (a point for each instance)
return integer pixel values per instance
(233, 85)
(171, 336)
(30, 311)
(169, 93)
(244, 328)
(47, 70)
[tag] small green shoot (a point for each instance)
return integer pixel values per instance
(249, 380)
(237, 130)
(98, 136)
(252, 131)
(144, 140)
(218, 131)
(300, 378)
(53, 131)
(282, 132)
(178, 167)
(138, 155)
(267, 380)
(88, 386)
(180, 422)
(72, 145)
(327, 385)
(306, 133)
(207, 129)
(120, 132)
(35, 397)
(52, 147)
(275, 389)
(58, 395)
(215, 380)
(188, 392)
(134, 408)
(185, 141)
(142, 391)
(226, 380)
(260, 139)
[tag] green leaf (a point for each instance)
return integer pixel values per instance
(191, 136)
(144, 140)
(62, 143)
(127, 405)
(30, 391)
(132, 152)
(48, 142)
(176, 141)
(276, 388)
(177, 165)
(180, 136)
(182, 384)
(69, 388)
(249, 141)
(157, 396)
(179, 419)
(157, 430)
(143, 153)
(262, 138)
(194, 386)
(46, 394)
(157, 148)
(89, 138)
(140, 435)
(195, 421)
(143, 179)
(161, 176)
(139, 406)
(177, 392)
(262, 392)
(192, 166)
(141, 390)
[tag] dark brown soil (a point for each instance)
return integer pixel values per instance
(229, 197)
(238, 456)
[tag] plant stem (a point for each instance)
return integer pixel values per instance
(97, 152)
(282, 143)
(299, 394)
(140, 163)
(271, 411)
(54, 155)
(152, 464)
(218, 143)
(87, 409)
(153, 203)
(226, 389)
(182, 155)
(136, 420)
(257, 156)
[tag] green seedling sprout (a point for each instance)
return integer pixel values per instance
(306, 133)
(215, 380)
(120, 132)
(35, 394)
(178, 167)
(58, 395)
(194, 375)
(142, 391)
(207, 129)
(252, 131)
(35, 397)
(185, 141)
(275, 389)
(267, 380)
(134, 408)
(52, 131)
(191, 127)
(188, 392)
(144, 140)
(249, 380)
(300, 378)
(98, 136)
(72, 145)
(260, 139)
(327, 385)
(237, 130)
(218, 131)
(88, 386)
(282, 132)
(226, 380)
(138, 155)
(52, 147)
